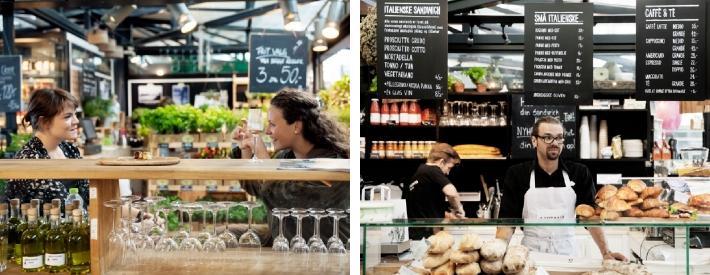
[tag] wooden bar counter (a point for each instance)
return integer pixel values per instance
(103, 182)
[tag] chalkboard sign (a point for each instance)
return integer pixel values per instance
(523, 120)
(670, 50)
(88, 81)
(558, 53)
(412, 49)
(277, 61)
(10, 83)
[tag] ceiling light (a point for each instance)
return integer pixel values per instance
(116, 15)
(182, 15)
(332, 25)
(160, 72)
(292, 22)
(319, 44)
(135, 59)
(98, 36)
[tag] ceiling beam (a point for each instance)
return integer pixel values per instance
(463, 6)
(190, 49)
(56, 19)
(246, 14)
(224, 37)
(45, 4)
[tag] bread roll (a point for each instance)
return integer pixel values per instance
(615, 204)
(584, 211)
(609, 215)
(468, 269)
(651, 192)
(440, 242)
(515, 259)
(470, 242)
(627, 194)
(637, 185)
(634, 203)
(606, 192)
(653, 203)
(493, 250)
(633, 212)
(435, 260)
(460, 257)
(445, 269)
(656, 213)
(493, 267)
(597, 210)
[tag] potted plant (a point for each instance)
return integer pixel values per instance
(455, 84)
(478, 76)
(96, 109)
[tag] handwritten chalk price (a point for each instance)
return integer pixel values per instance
(8, 91)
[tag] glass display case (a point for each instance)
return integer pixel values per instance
(661, 246)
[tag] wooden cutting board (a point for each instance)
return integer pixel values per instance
(130, 161)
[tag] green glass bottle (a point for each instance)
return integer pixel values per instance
(32, 245)
(4, 231)
(12, 224)
(78, 245)
(21, 229)
(44, 224)
(55, 246)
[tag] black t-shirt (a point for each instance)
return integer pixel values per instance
(517, 182)
(426, 196)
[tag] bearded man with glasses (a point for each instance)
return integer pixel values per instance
(548, 190)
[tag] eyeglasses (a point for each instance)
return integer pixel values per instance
(550, 139)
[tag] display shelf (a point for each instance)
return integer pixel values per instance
(622, 222)
(103, 185)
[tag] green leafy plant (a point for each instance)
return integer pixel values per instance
(373, 85)
(477, 74)
(451, 80)
(336, 100)
(97, 107)
(18, 140)
(213, 118)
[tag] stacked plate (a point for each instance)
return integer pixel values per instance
(633, 148)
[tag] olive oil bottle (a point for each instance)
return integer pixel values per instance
(44, 224)
(32, 244)
(55, 246)
(12, 224)
(21, 229)
(78, 245)
(68, 220)
(4, 231)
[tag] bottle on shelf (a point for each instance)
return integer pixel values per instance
(13, 232)
(74, 196)
(375, 112)
(4, 232)
(68, 222)
(394, 114)
(385, 113)
(78, 254)
(415, 117)
(44, 221)
(404, 114)
(55, 246)
(21, 229)
(408, 150)
(32, 244)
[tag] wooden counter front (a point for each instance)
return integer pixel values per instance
(103, 183)
(187, 169)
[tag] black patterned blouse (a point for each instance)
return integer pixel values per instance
(45, 189)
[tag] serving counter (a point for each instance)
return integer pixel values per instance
(103, 183)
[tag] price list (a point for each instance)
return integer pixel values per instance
(558, 53)
(670, 40)
(412, 49)
(10, 76)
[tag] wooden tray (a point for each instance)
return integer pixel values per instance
(130, 161)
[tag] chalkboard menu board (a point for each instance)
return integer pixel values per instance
(523, 120)
(558, 53)
(670, 50)
(277, 61)
(88, 81)
(10, 83)
(412, 49)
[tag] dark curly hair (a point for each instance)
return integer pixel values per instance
(45, 104)
(318, 128)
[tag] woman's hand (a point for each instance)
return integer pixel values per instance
(614, 256)
(246, 142)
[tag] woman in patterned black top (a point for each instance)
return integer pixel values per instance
(52, 115)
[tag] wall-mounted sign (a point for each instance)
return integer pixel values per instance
(412, 49)
(558, 53)
(10, 83)
(277, 62)
(670, 50)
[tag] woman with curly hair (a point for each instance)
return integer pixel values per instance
(299, 130)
